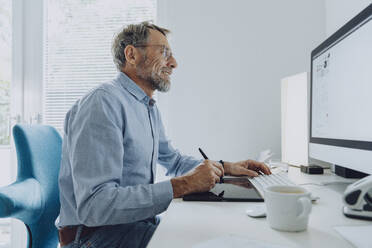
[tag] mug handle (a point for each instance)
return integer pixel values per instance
(306, 207)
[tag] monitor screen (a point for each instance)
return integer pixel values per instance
(341, 95)
(342, 88)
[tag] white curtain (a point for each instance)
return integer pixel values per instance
(77, 51)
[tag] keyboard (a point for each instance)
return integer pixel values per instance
(263, 181)
(280, 178)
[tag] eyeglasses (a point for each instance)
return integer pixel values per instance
(165, 51)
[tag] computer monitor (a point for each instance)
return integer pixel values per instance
(341, 98)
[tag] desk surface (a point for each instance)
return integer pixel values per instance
(185, 224)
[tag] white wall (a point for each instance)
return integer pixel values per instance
(225, 94)
(6, 172)
(339, 12)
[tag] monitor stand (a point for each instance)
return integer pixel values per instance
(348, 173)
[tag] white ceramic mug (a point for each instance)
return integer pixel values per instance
(288, 207)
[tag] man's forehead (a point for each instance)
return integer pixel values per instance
(156, 37)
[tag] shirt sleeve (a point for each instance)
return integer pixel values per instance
(95, 138)
(175, 163)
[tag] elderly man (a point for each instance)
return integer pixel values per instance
(113, 140)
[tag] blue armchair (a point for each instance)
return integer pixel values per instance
(34, 197)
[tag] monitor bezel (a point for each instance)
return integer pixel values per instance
(350, 27)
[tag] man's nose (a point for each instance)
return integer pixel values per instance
(172, 62)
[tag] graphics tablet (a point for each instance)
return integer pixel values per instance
(233, 189)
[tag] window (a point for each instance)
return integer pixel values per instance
(5, 81)
(5, 69)
(78, 48)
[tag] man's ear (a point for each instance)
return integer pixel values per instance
(130, 54)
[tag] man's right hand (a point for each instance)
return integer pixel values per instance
(201, 179)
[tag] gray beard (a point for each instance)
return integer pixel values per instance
(154, 80)
(158, 83)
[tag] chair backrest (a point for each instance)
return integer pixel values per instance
(39, 155)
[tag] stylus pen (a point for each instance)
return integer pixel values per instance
(205, 157)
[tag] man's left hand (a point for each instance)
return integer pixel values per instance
(246, 168)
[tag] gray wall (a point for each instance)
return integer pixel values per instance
(225, 94)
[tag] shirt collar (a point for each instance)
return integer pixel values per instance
(134, 89)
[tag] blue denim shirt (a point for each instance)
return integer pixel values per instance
(113, 140)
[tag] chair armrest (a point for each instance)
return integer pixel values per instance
(22, 200)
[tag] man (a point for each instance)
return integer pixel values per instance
(114, 137)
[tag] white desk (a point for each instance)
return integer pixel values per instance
(185, 224)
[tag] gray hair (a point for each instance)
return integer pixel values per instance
(133, 34)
